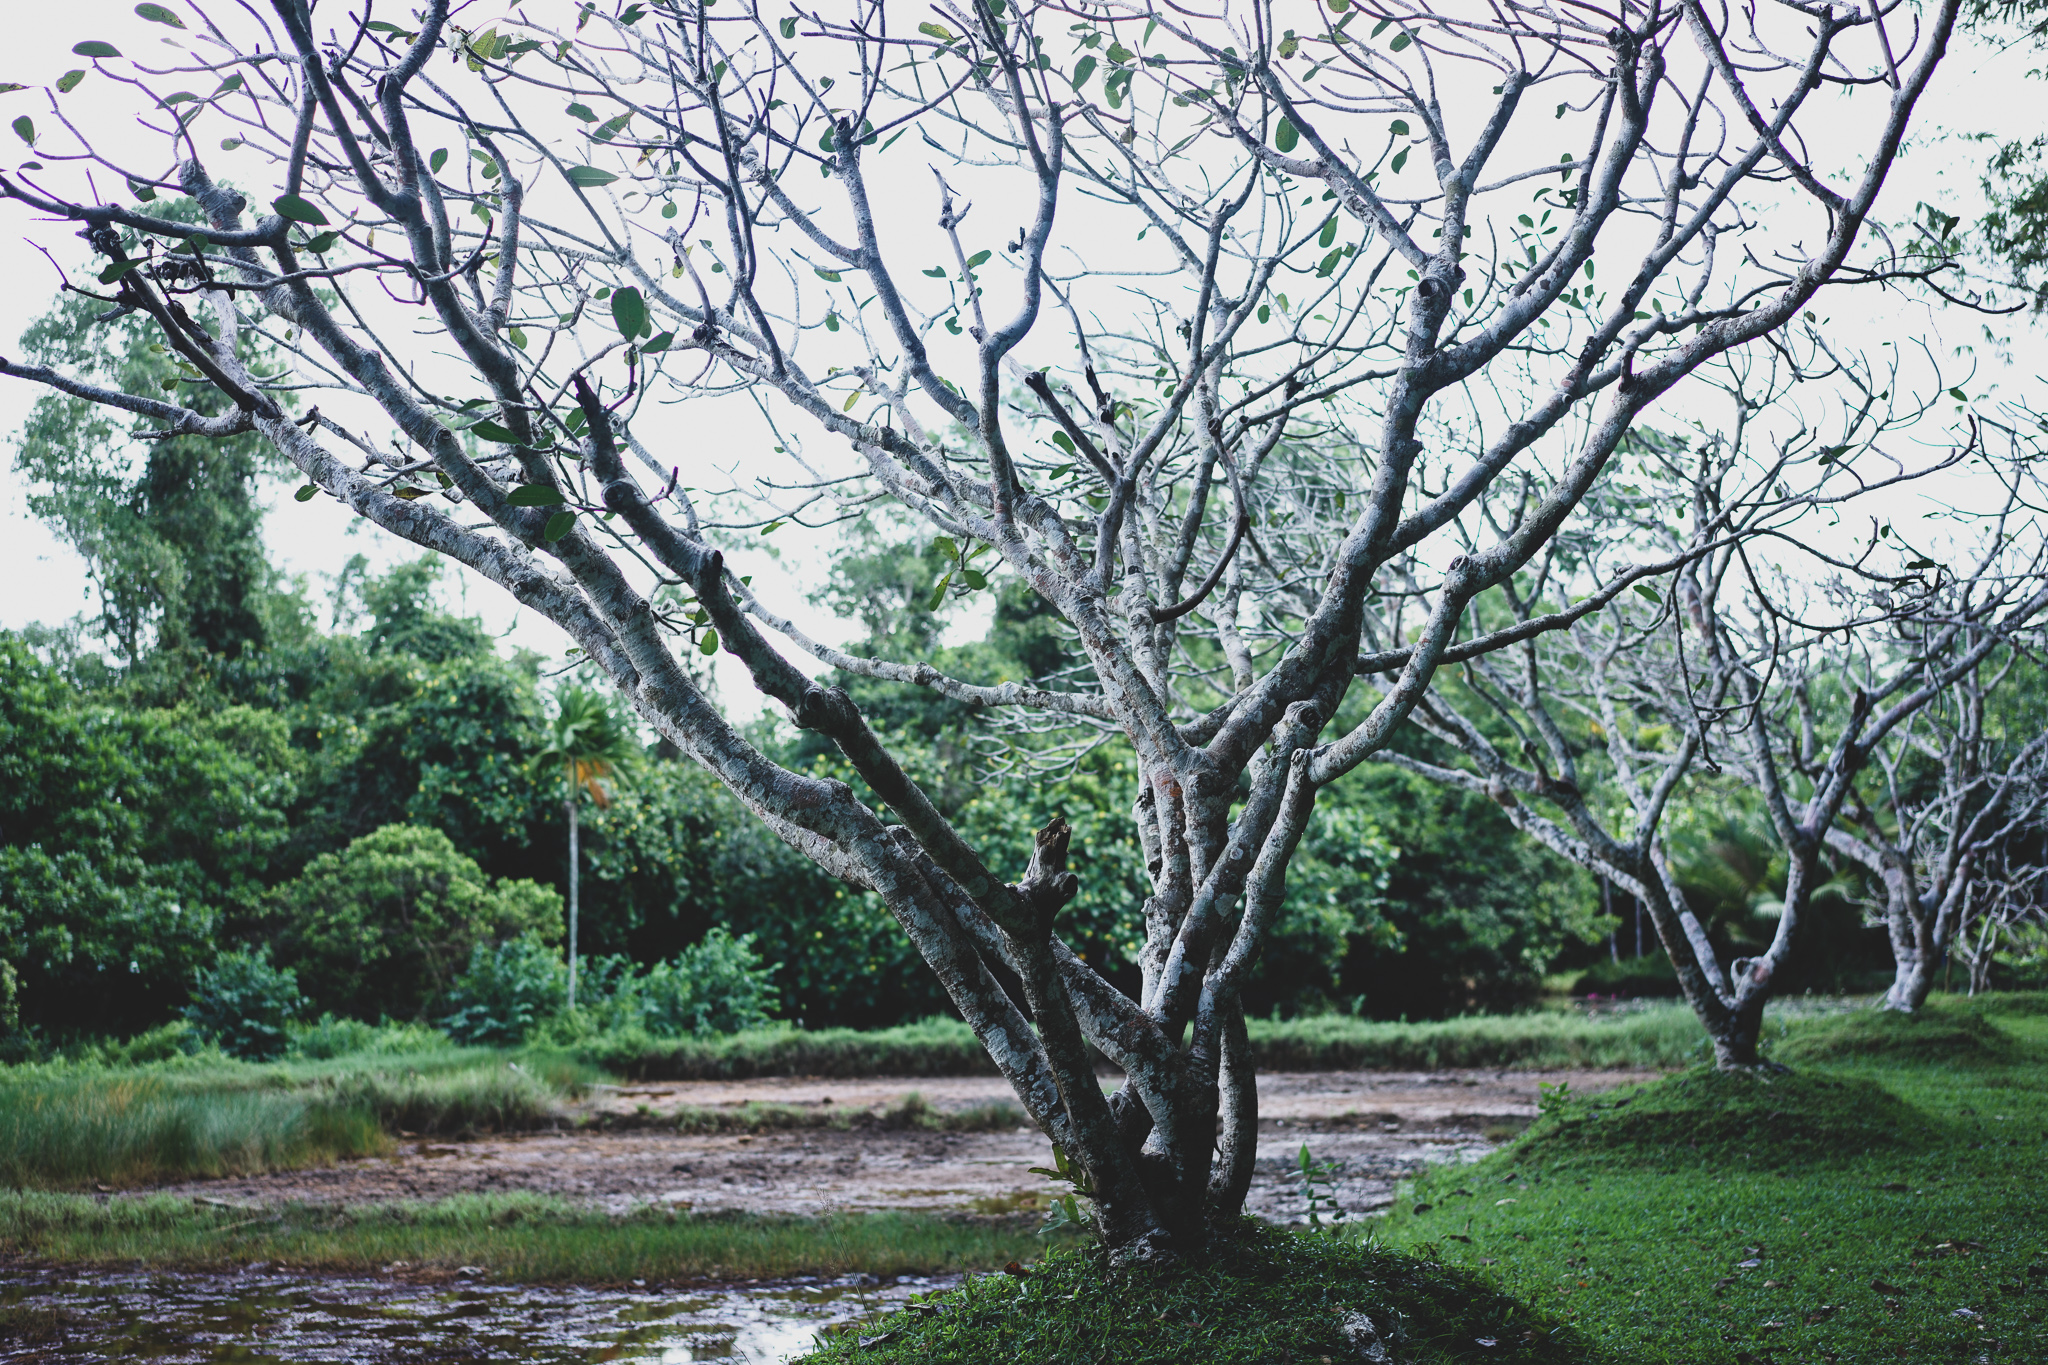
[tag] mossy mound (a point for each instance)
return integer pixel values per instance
(1938, 1034)
(1261, 1297)
(1757, 1118)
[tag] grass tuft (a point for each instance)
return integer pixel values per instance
(1936, 1035)
(1764, 1118)
(524, 1238)
(139, 1129)
(912, 1112)
(1263, 1297)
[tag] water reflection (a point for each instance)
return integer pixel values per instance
(255, 1318)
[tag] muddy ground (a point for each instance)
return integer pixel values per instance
(1376, 1128)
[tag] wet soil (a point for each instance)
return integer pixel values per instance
(258, 1317)
(1374, 1128)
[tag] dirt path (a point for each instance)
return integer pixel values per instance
(1377, 1127)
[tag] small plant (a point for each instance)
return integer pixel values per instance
(1553, 1098)
(245, 1005)
(1319, 1193)
(1066, 1213)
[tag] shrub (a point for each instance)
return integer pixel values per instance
(716, 985)
(507, 991)
(385, 926)
(245, 1005)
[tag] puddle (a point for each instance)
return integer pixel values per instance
(256, 1318)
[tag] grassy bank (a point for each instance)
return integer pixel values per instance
(1883, 1200)
(1653, 1036)
(520, 1237)
(70, 1124)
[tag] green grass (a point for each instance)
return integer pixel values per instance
(131, 1130)
(520, 1238)
(1654, 1036)
(1268, 1297)
(70, 1124)
(1888, 1191)
(1649, 1037)
(912, 1112)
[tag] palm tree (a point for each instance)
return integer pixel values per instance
(590, 742)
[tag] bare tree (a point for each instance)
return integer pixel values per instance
(1955, 795)
(1251, 374)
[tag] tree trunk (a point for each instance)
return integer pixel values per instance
(575, 862)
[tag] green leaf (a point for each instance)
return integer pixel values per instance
(789, 27)
(939, 591)
(1400, 160)
(159, 14)
(1329, 232)
(657, 344)
(1329, 263)
(1400, 42)
(1399, 127)
(411, 494)
(1833, 453)
(117, 270)
(1959, 395)
(437, 160)
(1083, 69)
(974, 579)
(978, 259)
(66, 83)
(1923, 563)
(582, 111)
(96, 49)
(589, 177)
(1645, 590)
(707, 645)
(296, 210)
(1064, 442)
(937, 272)
(831, 322)
(559, 525)
(535, 495)
(25, 129)
(1265, 313)
(322, 244)
(629, 312)
(851, 399)
(143, 192)
(305, 493)
(1286, 136)
(939, 31)
(490, 431)
(516, 337)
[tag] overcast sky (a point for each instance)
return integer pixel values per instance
(1979, 91)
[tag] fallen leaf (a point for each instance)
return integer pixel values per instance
(1898, 1186)
(1751, 1264)
(1883, 1287)
(1771, 1326)
(1424, 1208)
(1771, 1284)
(1822, 1313)
(1498, 1202)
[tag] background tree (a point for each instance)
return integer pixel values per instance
(1237, 505)
(587, 743)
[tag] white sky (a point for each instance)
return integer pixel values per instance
(1978, 92)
